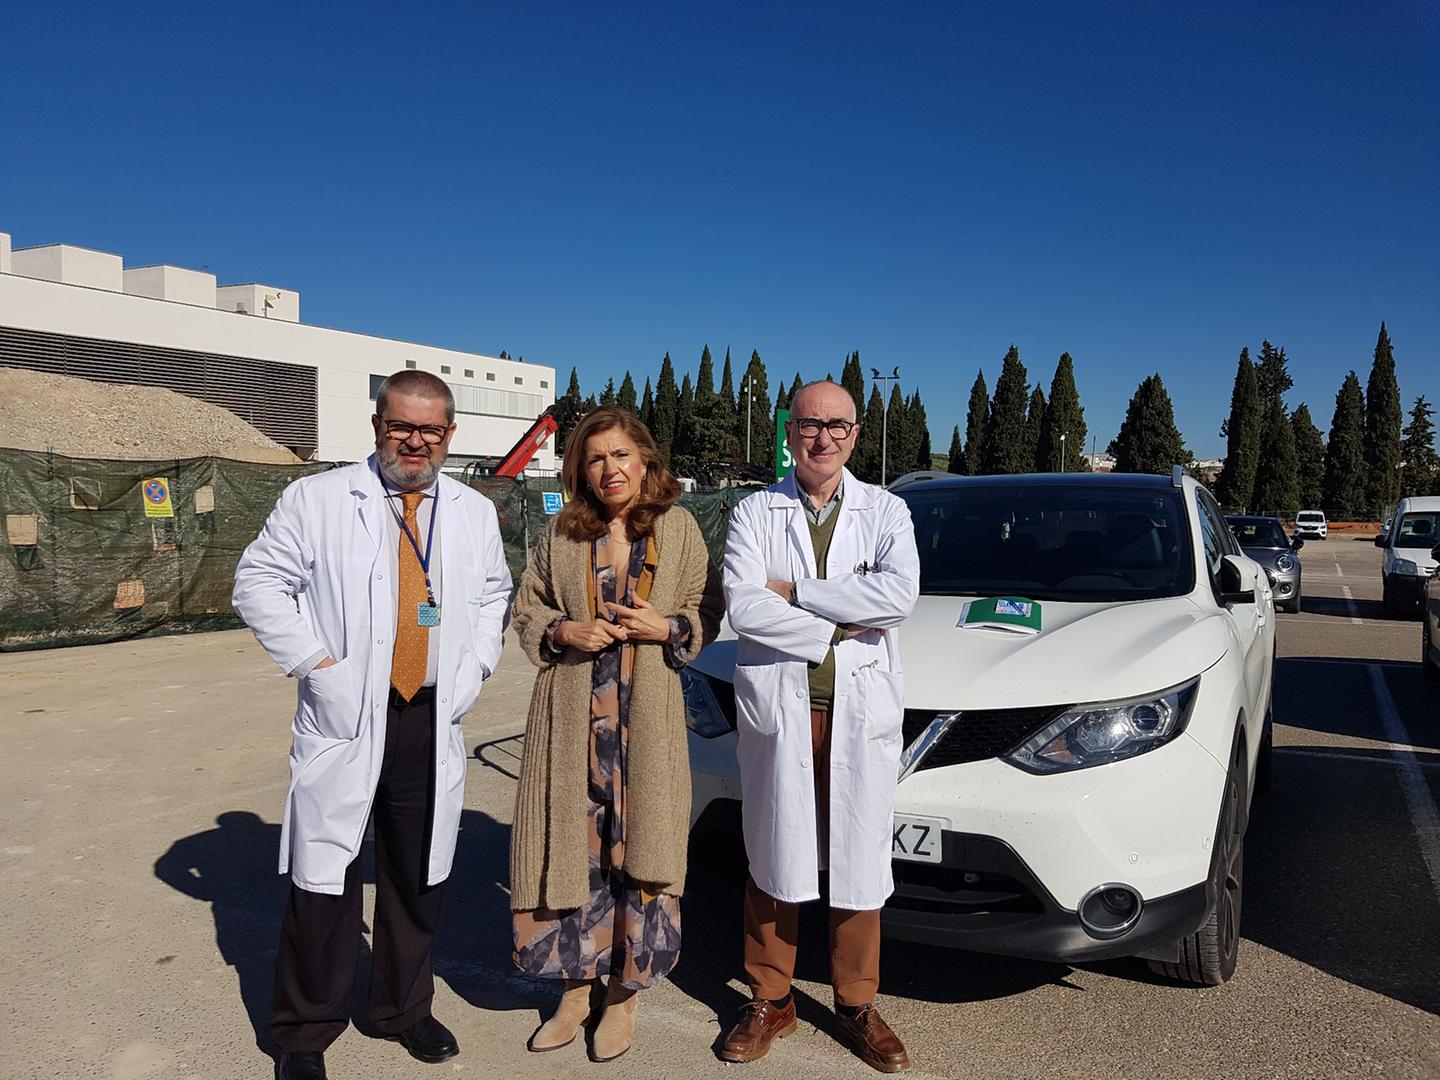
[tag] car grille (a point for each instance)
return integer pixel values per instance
(977, 735)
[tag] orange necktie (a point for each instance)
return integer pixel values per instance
(412, 641)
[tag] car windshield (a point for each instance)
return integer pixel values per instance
(1081, 542)
(1310, 516)
(1259, 534)
(1418, 530)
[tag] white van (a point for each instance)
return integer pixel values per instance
(1414, 532)
(1311, 525)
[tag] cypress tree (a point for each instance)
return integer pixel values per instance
(761, 416)
(1005, 432)
(957, 453)
(625, 398)
(796, 386)
(919, 433)
(852, 378)
(1382, 429)
(1344, 491)
(1277, 485)
(647, 407)
(1272, 375)
(727, 380)
(977, 419)
(705, 380)
(865, 462)
(1418, 460)
(1149, 441)
(1310, 451)
(567, 411)
(1236, 483)
(897, 445)
(1065, 416)
(667, 408)
(1034, 421)
(574, 390)
(607, 396)
(782, 396)
(682, 458)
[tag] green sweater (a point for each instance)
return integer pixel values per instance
(822, 675)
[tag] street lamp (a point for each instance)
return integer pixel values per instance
(746, 388)
(885, 415)
(1062, 450)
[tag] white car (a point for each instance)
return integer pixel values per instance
(1408, 561)
(1311, 525)
(1081, 792)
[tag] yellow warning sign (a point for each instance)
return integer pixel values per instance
(156, 493)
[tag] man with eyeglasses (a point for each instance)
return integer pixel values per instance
(382, 588)
(820, 570)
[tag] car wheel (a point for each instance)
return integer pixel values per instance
(1432, 669)
(1208, 956)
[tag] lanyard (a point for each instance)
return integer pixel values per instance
(422, 556)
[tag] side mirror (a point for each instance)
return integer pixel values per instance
(1380, 540)
(1435, 553)
(1238, 580)
(1296, 544)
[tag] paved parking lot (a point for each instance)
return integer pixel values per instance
(143, 785)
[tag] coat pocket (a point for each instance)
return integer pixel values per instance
(757, 697)
(884, 703)
(329, 703)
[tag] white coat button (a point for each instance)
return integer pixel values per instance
(442, 763)
(805, 764)
(379, 577)
(799, 693)
(444, 701)
(379, 641)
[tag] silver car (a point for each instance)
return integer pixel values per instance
(1264, 540)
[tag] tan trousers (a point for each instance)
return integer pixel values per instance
(772, 926)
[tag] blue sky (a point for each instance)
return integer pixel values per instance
(597, 184)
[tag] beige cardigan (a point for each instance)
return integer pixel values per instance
(549, 860)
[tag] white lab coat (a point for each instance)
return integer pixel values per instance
(317, 577)
(769, 539)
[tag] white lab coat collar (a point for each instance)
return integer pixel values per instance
(785, 493)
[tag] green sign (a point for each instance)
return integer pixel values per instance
(783, 461)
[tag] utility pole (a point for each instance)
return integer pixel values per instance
(1062, 450)
(885, 415)
(746, 388)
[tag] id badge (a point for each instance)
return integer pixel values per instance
(427, 614)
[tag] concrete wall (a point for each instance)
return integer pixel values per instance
(4, 253)
(70, 265)
(265, 301)
(173, 283)
(345, 361)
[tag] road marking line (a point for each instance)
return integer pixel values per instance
(1423, 814)
(1340, 755)
(1339, 569)
(1350, 603)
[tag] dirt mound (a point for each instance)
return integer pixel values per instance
(80, 418)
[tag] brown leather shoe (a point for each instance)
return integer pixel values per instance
(759, 1025)
(869, 1037)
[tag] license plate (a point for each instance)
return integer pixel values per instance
(916, 839)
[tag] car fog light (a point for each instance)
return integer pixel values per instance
(1110, 910)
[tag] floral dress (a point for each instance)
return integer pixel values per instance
(625, 931)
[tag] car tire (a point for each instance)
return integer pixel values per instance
(1208, 956)
(1265, 756)
(1430, 667)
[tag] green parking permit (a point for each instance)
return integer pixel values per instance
(1012, 613)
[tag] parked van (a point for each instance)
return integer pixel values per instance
(1311, 525)
(1414, 531)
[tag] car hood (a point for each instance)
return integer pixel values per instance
(1083, 653)
(1267, 556)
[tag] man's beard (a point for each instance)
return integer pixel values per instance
(394, 470)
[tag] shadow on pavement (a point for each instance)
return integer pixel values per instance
(1370, 610)
(1334, 695)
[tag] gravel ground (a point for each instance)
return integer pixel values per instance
(80, 418)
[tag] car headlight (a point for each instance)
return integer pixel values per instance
(1284, 563)
(1087, 735)
(704, 713)
(1405, 566)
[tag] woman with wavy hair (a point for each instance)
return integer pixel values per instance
(619, 595)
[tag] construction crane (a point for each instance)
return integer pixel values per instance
(521, 454)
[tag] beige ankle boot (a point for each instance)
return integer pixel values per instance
(616, 1030)
(561, 1029)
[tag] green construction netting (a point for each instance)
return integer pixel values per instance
(85, 563)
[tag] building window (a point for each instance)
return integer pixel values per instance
(489, 376)
(519, 381)
(444, 369)
(375, 381)
(409, 363)
(469, 373)
(544, 384)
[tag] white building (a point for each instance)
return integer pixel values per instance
(73, 311)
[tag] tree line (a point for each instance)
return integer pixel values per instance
(1019, 429)
(1277, 461)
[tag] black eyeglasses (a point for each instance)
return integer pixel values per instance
(810, 426)
(400, 431)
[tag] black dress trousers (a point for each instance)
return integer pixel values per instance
(320, 937)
